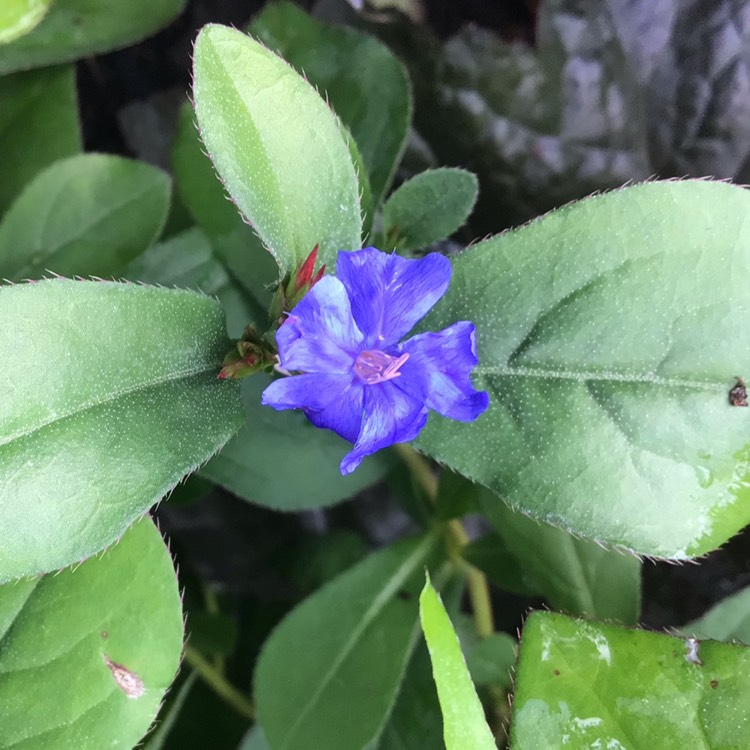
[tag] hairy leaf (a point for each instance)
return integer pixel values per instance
(99, 212)
(87, 655)
(110, 396)
(607, 335)
(254, 111)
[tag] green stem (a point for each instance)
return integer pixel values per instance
(219, 684)
(479, 591)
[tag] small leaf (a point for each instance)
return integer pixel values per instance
(99, 213)
(110, 396)
(464, 725)
(729, 620)
(574, 575)
(19, 17)
(428, 208)
(81, 28)
(309, 477)
(254, 112)
(87, 655)
(581, 685)
(365, 84)
(38, 125)
(491, 661)
(233, 240)
(347, 647)
(187, 261)
(609, 361)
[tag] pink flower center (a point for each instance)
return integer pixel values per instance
(377, 367)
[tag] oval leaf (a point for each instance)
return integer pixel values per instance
(81, 28)
(464, 725)
(365, 83)
(110, 396)
(277, 147)
(581, 685)
(609, 335)
(346, 647)
(428, 208)
(86, 656)
(99, 213)
(38, 125)
(19, 17)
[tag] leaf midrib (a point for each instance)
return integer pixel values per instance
(380, 600)
(112, 396)
(585, 376)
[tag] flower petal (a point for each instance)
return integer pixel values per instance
(330, 401)
(320, 334)
(438, 372)
(390, 416)
(390, 294)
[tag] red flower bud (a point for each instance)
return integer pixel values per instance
(305, 273)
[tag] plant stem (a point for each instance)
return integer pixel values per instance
(219, 684)
(479, 592)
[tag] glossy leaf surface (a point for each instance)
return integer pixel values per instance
(429, 207)
(38, 125)
(254, 111)
(19, 17)
(80, 28)
(99, 213)
(86, 655)
(110, 396)
(582, 685)
(464, 725)
(347, 646)
(365, 84)
(607, 339)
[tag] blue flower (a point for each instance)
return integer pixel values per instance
(358, 378)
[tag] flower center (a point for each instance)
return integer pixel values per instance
(377, 367)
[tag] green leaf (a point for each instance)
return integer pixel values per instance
(81, 28)
(428, 208)
(608, 360)
(187, 261)
(203, 194)
(574, 575)
(158, 737)
(347, 647)
(19, 17)
(87, 655)
(254, 112)
(415, 723)
(581, 685)
(278, 459)
(110, 396)
(491, 661)
(464, 725)
(99, 213)
(365, 84)
(38, 125)
(729, 620)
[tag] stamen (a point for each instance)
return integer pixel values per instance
(377, 367)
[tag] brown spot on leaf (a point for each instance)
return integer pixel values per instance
(105, 634)
(129, 682)
(404, 595)
(556, 672)
(714, 683)
(738, 394)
